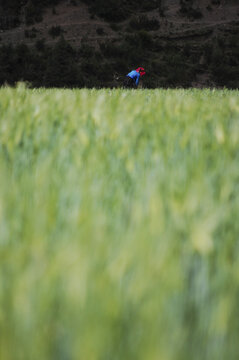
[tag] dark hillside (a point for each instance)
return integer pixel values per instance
(181, 43)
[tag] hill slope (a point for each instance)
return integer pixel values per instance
(180, 44)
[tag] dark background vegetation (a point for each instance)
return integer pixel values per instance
(169, 62)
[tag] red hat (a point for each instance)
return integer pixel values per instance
(141, 71)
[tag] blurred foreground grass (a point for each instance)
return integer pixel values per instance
(119, 230)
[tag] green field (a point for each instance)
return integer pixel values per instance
(119, 224)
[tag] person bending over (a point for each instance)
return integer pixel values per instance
(132, 78)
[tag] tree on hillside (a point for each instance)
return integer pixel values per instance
(62, 66)
(161, 7)
(118, 10)
(12, 6)
(7, 64)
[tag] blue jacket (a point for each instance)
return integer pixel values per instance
(135, 76)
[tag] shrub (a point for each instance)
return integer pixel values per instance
(217, 55)
(31, 34)
(33, 13)
(149, 5)
(61, 66)
(118, 10)
(144, 23)
(7, 64)
(9, 22)
(226, 75)
(196, 13)
(40, 45)
(110, 10)
(115, 27)
(55, 31)
(139, 42)
(35, 9)
(86, 51)
(100, 31)
(111, 50)
(188, 10)
(145, 39)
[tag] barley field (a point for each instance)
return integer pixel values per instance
(119, 224)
